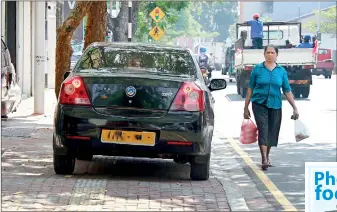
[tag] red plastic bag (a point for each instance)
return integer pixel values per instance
(249, 132)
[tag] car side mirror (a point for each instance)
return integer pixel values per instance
(66, 75)
(218, 84)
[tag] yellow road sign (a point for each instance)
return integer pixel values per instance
(156, 33)
(157, 14)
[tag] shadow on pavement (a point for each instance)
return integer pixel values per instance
(110, 183)
(234, 98)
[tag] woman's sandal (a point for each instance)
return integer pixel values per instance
(270, 164)
(264, 166)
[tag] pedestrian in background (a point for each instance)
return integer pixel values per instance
(266, 81)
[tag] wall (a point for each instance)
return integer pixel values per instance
(24, 47)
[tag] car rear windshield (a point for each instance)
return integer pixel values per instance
(119, 60)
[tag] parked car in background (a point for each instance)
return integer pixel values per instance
(77, 46)
(10, 90)
(325, 64)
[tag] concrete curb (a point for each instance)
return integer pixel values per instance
(235, 199)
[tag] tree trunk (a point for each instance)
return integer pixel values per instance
(63, 44)
(134, 18)
(96, 23)
(120, 24)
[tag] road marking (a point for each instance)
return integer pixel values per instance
(284, 202)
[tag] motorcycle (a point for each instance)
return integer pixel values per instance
(206, 74)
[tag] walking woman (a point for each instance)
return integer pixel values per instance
(266, 81)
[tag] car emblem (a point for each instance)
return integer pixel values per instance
(130, 91)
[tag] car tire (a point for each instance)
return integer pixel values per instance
(297, 92)
(200, 171)
(64, 164)
(305, 92)
(243, 92)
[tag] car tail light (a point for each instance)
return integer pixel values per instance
(308, 67)
(73, 92)
(248, 68)
(189, 98)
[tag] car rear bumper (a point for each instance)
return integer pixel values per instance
(78, 131)
(323, 71)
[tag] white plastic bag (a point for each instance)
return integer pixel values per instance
(301, 131)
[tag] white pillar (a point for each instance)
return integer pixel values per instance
(32, 41)
(3, 20)
(27, 50)
(51, 12)
(40, 58)
(19, 43)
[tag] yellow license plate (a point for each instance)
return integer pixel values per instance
(128, 137)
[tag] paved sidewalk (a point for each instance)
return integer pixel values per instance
(104, 184)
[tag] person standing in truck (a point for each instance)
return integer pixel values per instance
(306, 43)
(256, 31)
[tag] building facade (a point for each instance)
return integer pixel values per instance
(279, 11)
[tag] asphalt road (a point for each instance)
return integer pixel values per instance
(318, 113)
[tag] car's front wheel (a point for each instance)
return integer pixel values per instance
(200, 170)
(64, 164)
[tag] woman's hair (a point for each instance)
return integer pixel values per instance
(271, 46)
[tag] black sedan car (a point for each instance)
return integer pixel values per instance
(137, 100)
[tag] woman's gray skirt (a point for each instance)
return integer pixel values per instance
(268, 122)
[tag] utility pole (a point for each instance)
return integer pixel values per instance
(130, 22)
(319, 17)
(39, 79)
(51, 27)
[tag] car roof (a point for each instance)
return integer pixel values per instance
(140, 46)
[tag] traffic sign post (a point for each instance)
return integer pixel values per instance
(157, 15)
(156, 33)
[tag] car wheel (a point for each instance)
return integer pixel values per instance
(181, 160)
(86, 157)
(64, 164)
(200, 171)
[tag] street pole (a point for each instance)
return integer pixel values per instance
(51, 43)
(130, 22)
(319, 17)
(39, 80)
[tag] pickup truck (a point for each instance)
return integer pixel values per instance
(325, 64)
(298, 62)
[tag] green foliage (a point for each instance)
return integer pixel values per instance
(145, 22)
(216, 16)
(328, 22)
(191, 19)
